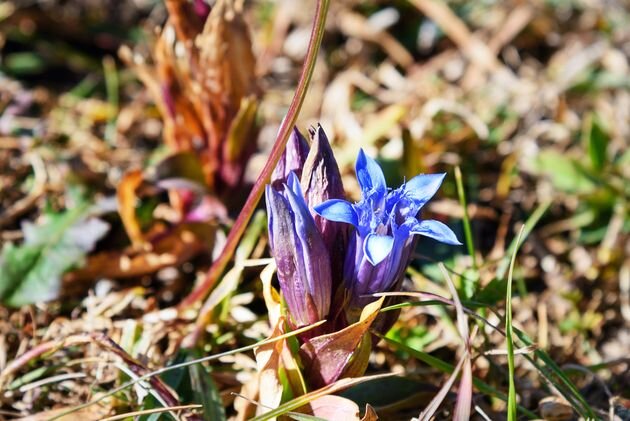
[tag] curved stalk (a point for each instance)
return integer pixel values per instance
(288, 122)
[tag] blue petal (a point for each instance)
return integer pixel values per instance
(370, 175)
(377, 247)
(422, 187)
(293, 182)
(269, 197)
(436, 230)
(337, 210)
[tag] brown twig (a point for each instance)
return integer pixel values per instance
(103, 341)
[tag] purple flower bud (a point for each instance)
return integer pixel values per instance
(321, 181)
(300, 253)
(385, 224)
(292, 159)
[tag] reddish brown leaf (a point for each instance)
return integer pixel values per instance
(370, 414)
(168, 249)
(327, 356)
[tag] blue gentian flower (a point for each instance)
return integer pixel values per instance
(386, 223)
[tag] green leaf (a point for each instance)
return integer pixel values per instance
(493, 292)
(206, 393)
(24, 63)
(596, 139)
(387, 391)
(32, 272)
(193, 384)
(565, 174)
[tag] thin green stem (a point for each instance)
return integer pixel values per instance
(112, 85)
(255, 195)
(470, 245)
(528, 227)
(508, 332)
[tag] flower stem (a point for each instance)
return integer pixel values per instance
(286, 126)
(470, 245)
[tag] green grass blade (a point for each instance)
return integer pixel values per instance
(448, 368)
(470, 244)
(528, 227)
(557, 377)
(511, 412)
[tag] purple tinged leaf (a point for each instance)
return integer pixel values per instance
(326, 357)
(331, 407)
(292, 159)
(436, 230)
(370, 175)
(207, 208)
(464, 395)
(377, 247)
(168, 99)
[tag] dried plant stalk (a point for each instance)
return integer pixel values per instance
(202, 78)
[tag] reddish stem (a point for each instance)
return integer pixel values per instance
(219, 265)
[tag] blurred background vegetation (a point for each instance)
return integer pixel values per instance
(530, 100)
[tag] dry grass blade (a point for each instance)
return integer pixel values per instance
(464, 395)
(462, 319)
(157, 394)
(23, 205)
(151, 411)
(432, 408)
(431, 298)
(470, 45)
(355, 25)
(52, 379)
(521, 351)
(154, 373)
